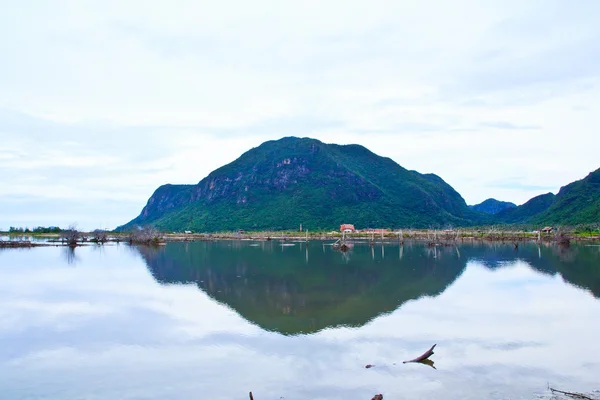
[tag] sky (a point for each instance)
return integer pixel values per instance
(101, 102)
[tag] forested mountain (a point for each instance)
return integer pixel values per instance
(284, 183)
(492, 206)
(576, 203)
(524, 213)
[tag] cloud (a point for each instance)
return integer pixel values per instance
(524, 186)
(31, 210)
(102, 102)
(507, 125)
(535, 53)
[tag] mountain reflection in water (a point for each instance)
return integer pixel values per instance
(304, 289)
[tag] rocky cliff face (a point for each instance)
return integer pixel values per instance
(167, 198)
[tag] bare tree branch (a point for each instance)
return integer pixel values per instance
(71, 235)
(146, 235)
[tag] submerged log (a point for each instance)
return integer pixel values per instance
(21, 243)
(377, 397)
(422, 357)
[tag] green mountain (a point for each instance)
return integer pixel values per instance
(576, 203)
(526, 212)
(284, 183)
(492, 206)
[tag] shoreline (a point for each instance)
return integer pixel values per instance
(430, 237)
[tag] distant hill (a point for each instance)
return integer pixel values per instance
(284, 183)
(576, 203)
(492, 206)
(526, 212)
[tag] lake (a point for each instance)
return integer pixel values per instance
(215, 320)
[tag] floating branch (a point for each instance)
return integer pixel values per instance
(376, 397)
(573, 394)
(422, 357)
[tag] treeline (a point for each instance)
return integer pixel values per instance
(39, 229)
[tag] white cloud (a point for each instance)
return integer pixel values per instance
(107, 100)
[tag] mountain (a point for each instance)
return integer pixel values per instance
(284, 183)
(492, 206)
(576, 203)
(526, 212)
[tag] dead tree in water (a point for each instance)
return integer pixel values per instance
(562, 238)
(71, 235)
(100, 236)
(147, 235)
(450, 236)
(431, 238)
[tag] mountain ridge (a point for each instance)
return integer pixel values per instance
(576, 203)
(492, 206)
(522, 214)
(282, 184)
(291, 181)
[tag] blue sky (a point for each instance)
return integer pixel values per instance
(103, 101)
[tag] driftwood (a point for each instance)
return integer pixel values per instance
(422, 357)
(14, 243)
(573, 394)
(376, 397)
(20, 243)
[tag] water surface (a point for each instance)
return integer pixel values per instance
(216, 320)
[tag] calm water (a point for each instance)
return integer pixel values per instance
(217, 320)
